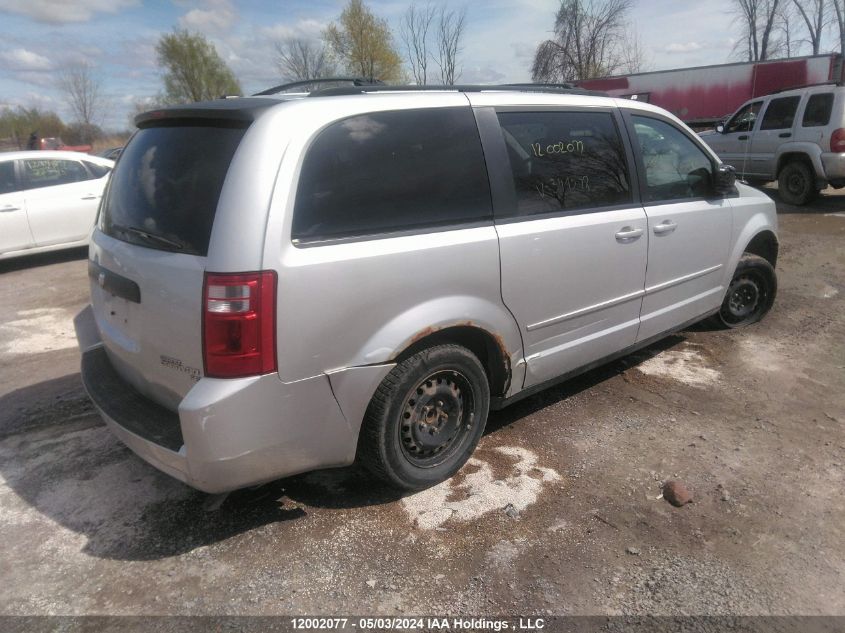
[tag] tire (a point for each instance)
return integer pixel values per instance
(797, 183)
(426, 418)
(750, 294)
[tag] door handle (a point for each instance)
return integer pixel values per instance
(744, 137)
(9, 208)
(89, 197)
(627, 234)
(785, 134)
(667, 226)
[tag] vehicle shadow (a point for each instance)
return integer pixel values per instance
(828, 201)
(65, 466)
(43, 259)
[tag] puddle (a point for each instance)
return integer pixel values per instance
(468, 497)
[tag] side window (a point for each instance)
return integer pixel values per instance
(96, 171)
(50, 172)
(780, 113)
(7, 177)
(565, 160)
(743, 121)
(389, 171)
(675, 167)
(817, 111)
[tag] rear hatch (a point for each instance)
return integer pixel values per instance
(149, 251)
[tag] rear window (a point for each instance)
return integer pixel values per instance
(164, 190)
(564, 161)
(817, 112)
(780, 113)
(391, 171)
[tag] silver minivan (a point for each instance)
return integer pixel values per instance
(282, 284)
(796, 137)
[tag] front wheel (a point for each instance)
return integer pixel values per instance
(426, 418)
(751, 292)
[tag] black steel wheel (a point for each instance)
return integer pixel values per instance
(797, 183)
(426, 418)
(750, 294)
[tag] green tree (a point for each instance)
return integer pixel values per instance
(17, 124)
(193, 71)
(364, 43)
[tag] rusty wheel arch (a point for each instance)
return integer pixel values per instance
(488, 347)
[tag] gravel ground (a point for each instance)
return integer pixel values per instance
(558, 513)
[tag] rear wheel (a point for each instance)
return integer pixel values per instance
(426, 418)
(797, 183)
(751, 292)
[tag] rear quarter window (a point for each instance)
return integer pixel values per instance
(163, 192)
(818, 109)
(392, 171)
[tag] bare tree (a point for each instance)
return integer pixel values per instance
(450, 30)
(758, 19)
(414, 33)
(839, 10)
(299, 59)
(634, 58)
(813, 14)
(82, 89)
(589, 41)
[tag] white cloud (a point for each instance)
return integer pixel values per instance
(63, 11)
(217, 17)
(687, 47)
(21, 59)
(307, 29)
(479, 75)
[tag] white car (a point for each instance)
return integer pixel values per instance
(48, 200)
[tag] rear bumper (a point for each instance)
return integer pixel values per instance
(227, 434)
(834, 166)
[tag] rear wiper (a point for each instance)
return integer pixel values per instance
(153, 237)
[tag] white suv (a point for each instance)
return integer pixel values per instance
(285, 284)
(796, 137)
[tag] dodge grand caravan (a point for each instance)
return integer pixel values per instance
(281, 284)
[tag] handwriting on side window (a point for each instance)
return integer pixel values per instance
(562, 147)
(557, 187)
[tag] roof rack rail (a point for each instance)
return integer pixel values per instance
(518, 87)
(830, 82)
(355, 81)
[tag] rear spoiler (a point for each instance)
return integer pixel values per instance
(222, 112)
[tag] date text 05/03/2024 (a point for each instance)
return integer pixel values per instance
(421, 623)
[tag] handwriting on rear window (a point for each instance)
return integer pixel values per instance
(561, 147)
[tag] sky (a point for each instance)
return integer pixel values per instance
(38, 38)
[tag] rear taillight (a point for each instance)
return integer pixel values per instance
(837, 140)
(239, 324)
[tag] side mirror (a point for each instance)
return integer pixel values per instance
(724, 180)
(720, 128)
